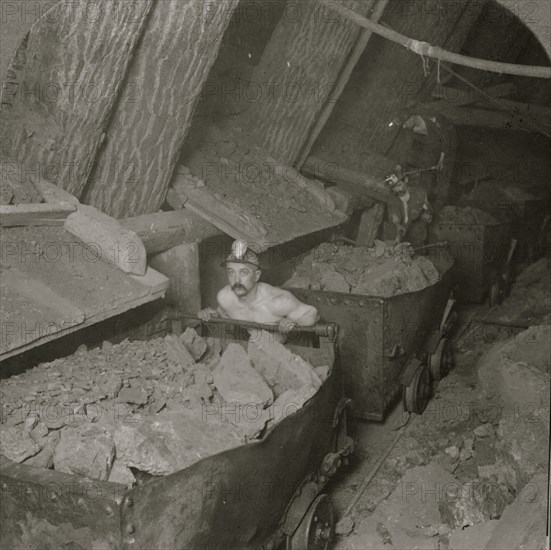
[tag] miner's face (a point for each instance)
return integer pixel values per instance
(242, 277)
(400, 188)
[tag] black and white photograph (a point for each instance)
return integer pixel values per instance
(275, 274)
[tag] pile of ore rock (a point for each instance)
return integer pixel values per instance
(467, 215)
(155, 406)
(385, 270)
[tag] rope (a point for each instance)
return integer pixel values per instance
(436, 52)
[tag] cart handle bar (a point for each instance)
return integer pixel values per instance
(325, 330)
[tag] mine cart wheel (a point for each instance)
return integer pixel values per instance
(417, 394)
(441, 361)
(317, 528)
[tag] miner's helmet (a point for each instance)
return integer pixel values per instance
(241, 254)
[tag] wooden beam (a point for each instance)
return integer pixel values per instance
(48, 311)
(143, 143)
(102, 234)
(367, 185)
(181, 265)
(537, 113)
(456, 97)
(107, 238)
(165, 230)
(375, 14)
(503, 120)
(225, 215)
(300, 65)
(34, 214)
(62, 84)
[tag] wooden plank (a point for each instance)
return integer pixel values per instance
(301, 62)
(158, 286)
(537, 113)
(144, 140)
(226, 216)
(32, 310)
(374, 14)
(371, 185)
(34, 214)
(107, 237)
(62, 84)
(164, 230)
(104, 235)
(457, 97)
(503, 120)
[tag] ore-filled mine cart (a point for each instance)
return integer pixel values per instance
(528, 218)
(482, 254)
(257, 495)
(391, 345)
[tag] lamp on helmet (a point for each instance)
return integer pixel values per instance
(240, 254)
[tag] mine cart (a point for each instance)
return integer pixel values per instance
(390, 346)
(528, 221)
(257, 495)
(482, 256)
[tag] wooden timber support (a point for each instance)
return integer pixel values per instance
(164, 230)
(62, 84)
(389, 79)
(375, 14)
(143, 143)
(300, 64)
(456, 97)
(502, 120)
(107, 239)
(362, 188)
(34, 214)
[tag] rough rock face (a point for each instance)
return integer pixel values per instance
(16, 444)
(523, 523)
(171, 441)
(518, 369)
(530, 298)
(281, 369)
(194, 343)
(427, 502)
(384, 270)
(144, 405)
(87, 451)
(516, 373)
(237, 381)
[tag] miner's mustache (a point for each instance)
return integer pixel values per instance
(237, 285)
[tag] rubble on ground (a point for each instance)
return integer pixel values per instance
(467, 215)
(156, 406)
(530, 298)
(385, 270)
(516, 374)
(471, 472)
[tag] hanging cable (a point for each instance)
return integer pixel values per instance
(427, 50)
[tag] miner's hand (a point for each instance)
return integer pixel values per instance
(207, 314)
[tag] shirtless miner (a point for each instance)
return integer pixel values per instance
(247, 299)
